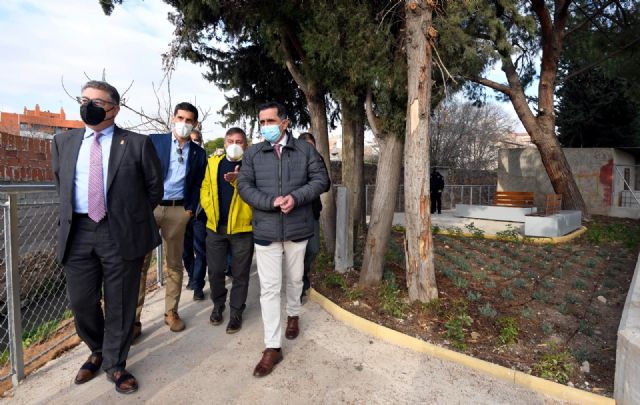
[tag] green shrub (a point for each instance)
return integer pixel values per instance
(474, 295)
(578, 284)
(527, 313)
(487, 311)
(556, 365)
(461, 282)
(455, 329)
(490, 284)
(335, 280)
(507, 294)
(474, 231)
(508, 330)
(519, 283)
(390, 299)
(547, 328)
(510, 234)
(540, 295)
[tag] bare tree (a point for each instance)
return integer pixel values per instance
(465, 135)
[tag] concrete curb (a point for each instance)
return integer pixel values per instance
(537, 384)
(535, 240)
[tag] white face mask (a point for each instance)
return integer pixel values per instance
(234, 152)
(182, 129)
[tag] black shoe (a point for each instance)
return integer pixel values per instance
(216, 315)
(198, 295)
(189, 285)
(235, 323)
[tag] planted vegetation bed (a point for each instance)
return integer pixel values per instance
(549, 310)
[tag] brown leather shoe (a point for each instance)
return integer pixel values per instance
(89, 369)
(125, 382)
(137, 331)
(173, 320)
(292, 328)
(270, 357)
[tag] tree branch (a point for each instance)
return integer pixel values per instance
(491, 84)
(289, 61)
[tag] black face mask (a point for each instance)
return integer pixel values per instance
(91, 114)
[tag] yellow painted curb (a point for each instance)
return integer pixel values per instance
(538, 241)
(537, 384)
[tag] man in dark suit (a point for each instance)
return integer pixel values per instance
(109, 181)
(183, 165)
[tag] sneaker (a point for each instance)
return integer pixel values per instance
(216, 315)
(235, 323)
(173, 320)
(198, 295)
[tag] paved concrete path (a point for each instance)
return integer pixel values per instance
(329, 363)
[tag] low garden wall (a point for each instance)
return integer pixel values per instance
(627, 380)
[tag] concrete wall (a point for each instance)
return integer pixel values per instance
(593, 170)
(627, 380)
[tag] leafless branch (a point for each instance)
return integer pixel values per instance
(65, 89)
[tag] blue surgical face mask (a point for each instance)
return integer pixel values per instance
(270, 132)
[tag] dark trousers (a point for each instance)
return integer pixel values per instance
(92, 265)
(312, 250)
(194, 254)
(219, 245)
(436, 202)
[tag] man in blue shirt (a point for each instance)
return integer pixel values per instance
(183, 165)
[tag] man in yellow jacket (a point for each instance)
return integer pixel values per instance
(228, 230)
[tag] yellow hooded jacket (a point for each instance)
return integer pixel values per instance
(240, 213)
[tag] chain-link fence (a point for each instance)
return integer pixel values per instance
(35, 318)
(451, 195)
(33, 302)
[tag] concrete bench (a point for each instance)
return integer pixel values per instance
(550, 226)
(494, 212)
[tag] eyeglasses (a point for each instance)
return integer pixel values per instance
(180, 158)
(98, 102)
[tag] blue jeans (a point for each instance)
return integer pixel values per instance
(194, 255)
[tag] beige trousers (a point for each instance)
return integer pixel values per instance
(172, 222)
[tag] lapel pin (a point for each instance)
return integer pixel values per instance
(122, 142)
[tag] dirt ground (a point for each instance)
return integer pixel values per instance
(549, 310)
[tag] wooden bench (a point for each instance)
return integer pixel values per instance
(514, 198)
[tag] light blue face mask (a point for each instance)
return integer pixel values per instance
(270, 132)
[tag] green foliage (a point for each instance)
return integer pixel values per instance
(628, 235)
(474, 295)
(488, 311)
(490, 284)
(591, 263)
(461, 282)
(455, 231)
(213, 145)
(563, 308)
(474, 231)
(585, 328)
(540, 295)
(547, 328)
(519, 283)
(556, 364)
(335, 280)
(435, 306)
(510, 234)
(508, 330)
(455, 330)
(507, 294)
(479, 275)
(548, 283)
(506, 273)
(578, 284)
(4, 357)
(527, 313)
(390, 299)
(571, 298)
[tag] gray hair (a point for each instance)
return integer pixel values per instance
(100, 85)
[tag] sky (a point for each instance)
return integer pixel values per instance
(42, 42)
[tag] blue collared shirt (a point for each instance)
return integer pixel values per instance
(174, 183)
(81, 180)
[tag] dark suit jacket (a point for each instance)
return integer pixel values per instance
(134, 189)
(196, 166)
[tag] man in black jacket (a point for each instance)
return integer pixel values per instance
(279, 179)
(436, 185)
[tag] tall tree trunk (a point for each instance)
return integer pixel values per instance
(353, 165)
(421, 280)
(318, 113)
(384, 202)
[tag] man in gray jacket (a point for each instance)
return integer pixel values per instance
(279, 179)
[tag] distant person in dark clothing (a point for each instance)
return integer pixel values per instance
(436, 184)
(313, 246)
(194, 253)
